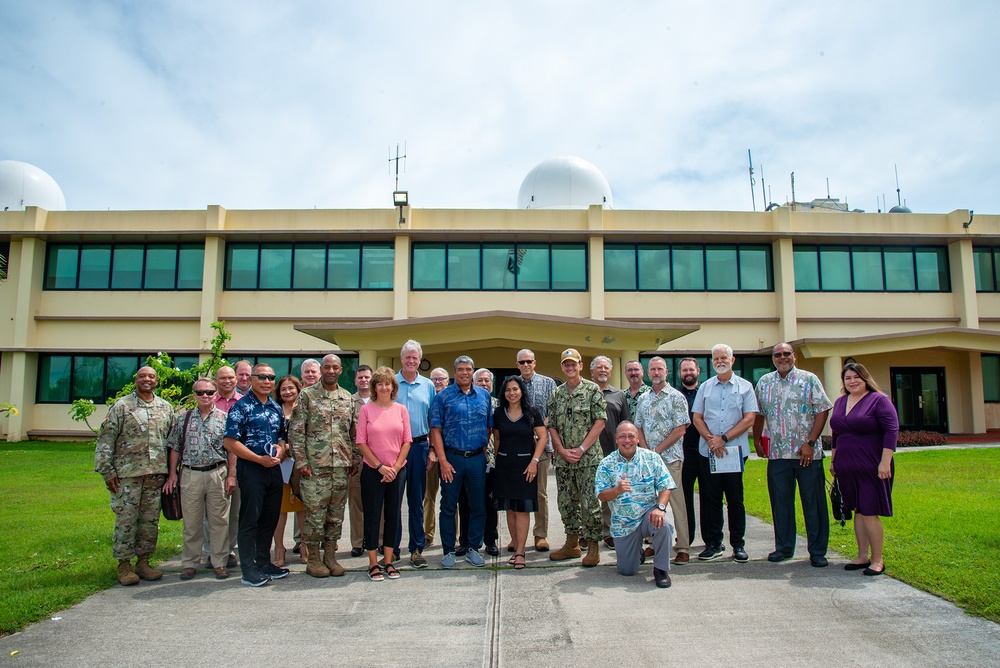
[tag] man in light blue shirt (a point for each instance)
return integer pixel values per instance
(636, 485)
(415, 393)
(724, 409)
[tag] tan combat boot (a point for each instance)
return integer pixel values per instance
(571, 550)
(126, 576)
(144, 570)
(593, 553)
(330, 559)
(315, 565)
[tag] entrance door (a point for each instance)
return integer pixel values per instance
(919, 397)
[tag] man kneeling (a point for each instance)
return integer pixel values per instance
(636, 485)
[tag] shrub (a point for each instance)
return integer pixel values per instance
(907, 439)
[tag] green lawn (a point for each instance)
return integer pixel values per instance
(55, 531)
(945, 534)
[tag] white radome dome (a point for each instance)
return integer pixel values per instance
(566, 182)
(23, 185)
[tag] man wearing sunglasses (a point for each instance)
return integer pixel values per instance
(255, 434)
(197, 449)
(794, 406)
(539, 388)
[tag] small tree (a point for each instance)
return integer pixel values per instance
(173, 384)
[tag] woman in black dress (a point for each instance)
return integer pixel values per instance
(519, 438)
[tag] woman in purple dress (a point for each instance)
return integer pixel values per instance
(865, 427)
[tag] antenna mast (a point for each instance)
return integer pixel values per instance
(752, 182)
(397, 159)
(898, 200)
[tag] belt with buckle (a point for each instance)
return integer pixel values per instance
(464, 453)
(210, 467)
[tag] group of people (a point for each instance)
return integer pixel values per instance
(254, 445)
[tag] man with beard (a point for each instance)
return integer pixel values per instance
(636, 388)
(689, 372)
(618, 412)
(363, 382)
(724, 410)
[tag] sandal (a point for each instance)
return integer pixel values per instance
(375, 573)
(391, 572)
(519, 565)
(279, 556)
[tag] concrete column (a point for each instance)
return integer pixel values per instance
(963, 283)
(973, 411)
(401, 279)
(369, 357)
(13, 376)
(784, 290)
(212, 281)
(383, 360)
(596, 252)
(832, 367)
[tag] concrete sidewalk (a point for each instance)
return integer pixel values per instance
(716, 614)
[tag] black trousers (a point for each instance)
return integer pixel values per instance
(376, 495)
(689, 476)
(260, 506)
(782, 474)
(491, 534)
(713, 486)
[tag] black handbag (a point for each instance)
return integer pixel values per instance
(840, 513)
(171, 503)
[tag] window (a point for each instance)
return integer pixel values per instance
(63, 379)
(309, 266)
(987, 267)
(125, 266)
(751, 367)
(692, 267)
(991, 377)
(498, 266)
(871, 268)
(284, 366)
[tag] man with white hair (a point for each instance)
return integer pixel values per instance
(439, 377)
(309, 372)
(725, 408)
(415, 393)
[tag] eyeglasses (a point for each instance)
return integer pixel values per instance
(438, 381)
(783, 354)
(204, 393)
(266, 377)
(525, 362)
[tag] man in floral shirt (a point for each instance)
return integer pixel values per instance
(795, 407)
(635, 483)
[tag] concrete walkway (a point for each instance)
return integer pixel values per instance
(716, 614)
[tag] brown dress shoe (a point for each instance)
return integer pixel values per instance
(188, 573)
(221, 573)
(682, 558)
(648, 552)
(541, 545)
(609, 541)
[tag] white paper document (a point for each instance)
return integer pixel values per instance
(729, 463)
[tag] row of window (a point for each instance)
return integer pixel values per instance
(309, 266)
(499, 266)
(509, 266)
(124, 267)
(991, 377)
(63, 379)
(694, 267)
(871, 268)
(751, 367)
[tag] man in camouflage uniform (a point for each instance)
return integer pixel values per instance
(131, 455)
(577, 413)
(321, 435)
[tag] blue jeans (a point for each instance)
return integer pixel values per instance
(415, 482)
(471, 472)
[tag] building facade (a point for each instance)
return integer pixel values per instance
(914, 297)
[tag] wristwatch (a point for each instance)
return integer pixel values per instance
(725, 439)
(811, 443)
(662, 507)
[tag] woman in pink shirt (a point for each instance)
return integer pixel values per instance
(384, 438)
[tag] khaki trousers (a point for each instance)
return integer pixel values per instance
(679, 508)
(203, 494)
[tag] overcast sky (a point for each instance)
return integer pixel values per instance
(264, 105)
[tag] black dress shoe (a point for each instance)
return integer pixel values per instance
(460, 552)
(740, 555)
(777, 556)
(357, 551)
(493, 550)
(872, 571)
(856, 567)
(662, 578)
(819, 562)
